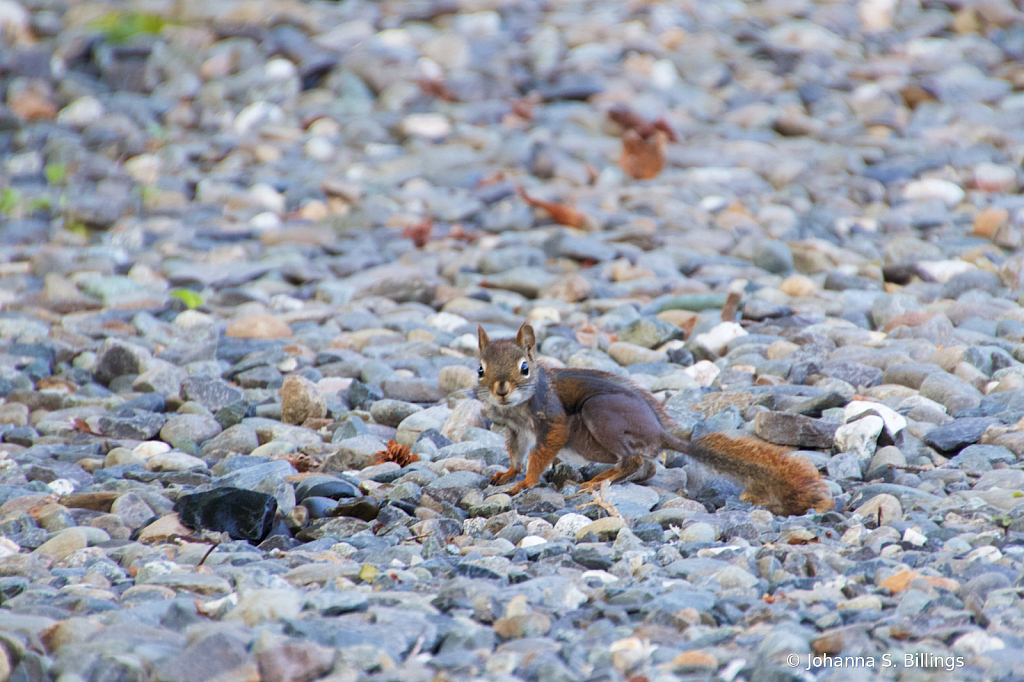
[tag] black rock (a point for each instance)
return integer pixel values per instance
(361, 396)
(955, 435)
(435, 437)
(147, 402)
(364, 508)
(213, 394)
(242, 514)
(717, 493)
(649, 532)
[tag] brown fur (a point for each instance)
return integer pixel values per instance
(776, 479)
(607, 419)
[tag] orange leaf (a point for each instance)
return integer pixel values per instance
(435, 88)
(523, 108)
(419, 232)
(630, 120)
(396, 453)
(560, 213)
(642, 159)
(81, 425)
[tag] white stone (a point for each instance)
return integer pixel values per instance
(928, 189)
(567, 525)
(14, 23)
(977, 643)
(595, 574)
(144, 168)
(531, 541)
(150, 448)
(717, 339)
(894, 421)
(257, 114)
(8, 548)
(266, 196)
(860, 437)
(479, 24)
(61, 486)
(263, 222)
(174, 461)
(914, 536)
(945, 270)
(876, 15)
(703, 372)
(446, 322)
(188, 319)
(82, 112)
(430, 126)
(279, 69)
(664, 74)
(320, 149)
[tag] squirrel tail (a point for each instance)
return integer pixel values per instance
(781, 482)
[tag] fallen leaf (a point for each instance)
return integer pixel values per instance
(732, 304)
(643, 158)
(81, 425)
(523, 107)
(560, 213)
(432, 87)
(396, 453)
(773, 598)
(419, 232)
(630, 120)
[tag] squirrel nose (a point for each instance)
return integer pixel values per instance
(501, 388)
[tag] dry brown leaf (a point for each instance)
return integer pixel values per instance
(81, 425)
(431, 87)
(300, 460)
(630, 120)
(419, 232)
(399, 454)
(732, 304)
(643, 158)
(560, 213)
(523, 107)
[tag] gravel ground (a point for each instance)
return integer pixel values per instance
(246, 244)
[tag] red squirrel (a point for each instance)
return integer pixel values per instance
(605, 418)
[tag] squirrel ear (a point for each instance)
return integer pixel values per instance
(526, 339)
(482, 337)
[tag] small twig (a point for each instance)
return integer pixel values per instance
(208, 553)
(415, 651)
(599, 500)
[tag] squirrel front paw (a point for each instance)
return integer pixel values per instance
(503, 477)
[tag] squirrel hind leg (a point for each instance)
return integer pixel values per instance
(632, 468)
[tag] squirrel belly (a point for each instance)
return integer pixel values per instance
(607, 419)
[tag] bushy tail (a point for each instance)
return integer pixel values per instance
(774, 478)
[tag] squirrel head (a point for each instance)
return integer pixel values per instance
(508, 368)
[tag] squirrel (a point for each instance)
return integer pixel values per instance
(605, 418)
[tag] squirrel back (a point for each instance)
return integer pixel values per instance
(516, 387)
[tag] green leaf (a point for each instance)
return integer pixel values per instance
(120, 26)
(55, 173)
(191, 299)
(10, 199)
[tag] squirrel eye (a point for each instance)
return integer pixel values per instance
(480, 371)
(524, 369)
